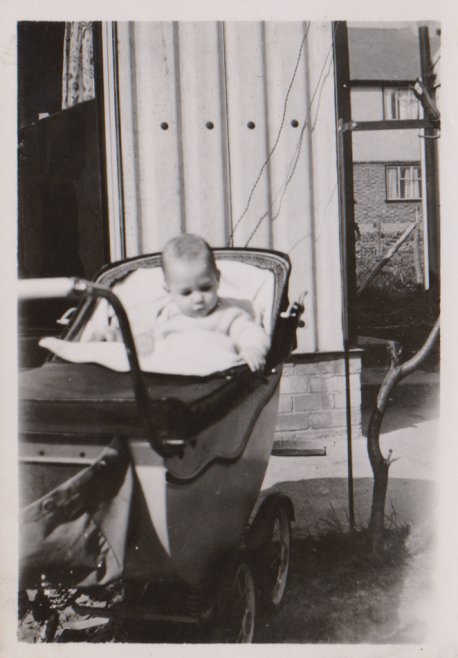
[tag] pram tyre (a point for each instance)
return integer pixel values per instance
(235, 603)
(38, 632)
(274, 558)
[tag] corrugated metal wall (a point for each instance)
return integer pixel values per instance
(228, 131)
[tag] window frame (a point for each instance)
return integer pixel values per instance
(412, 166)
(388, 93)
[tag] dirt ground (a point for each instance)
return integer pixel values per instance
(337, 592)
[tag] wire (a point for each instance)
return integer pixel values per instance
(276, 141)
(324, 213)
(319, 97)
(299, 147)
(295, 158)
(307, 235)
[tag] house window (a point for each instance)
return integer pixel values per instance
(403, 183)
(400, 104)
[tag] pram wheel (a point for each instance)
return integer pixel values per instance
(279, 549)
(273, 559)
(48, 629)
(38, 623)
(234, 618)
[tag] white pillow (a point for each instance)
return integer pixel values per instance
(244, 281)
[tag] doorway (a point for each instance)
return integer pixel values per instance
(62, 216)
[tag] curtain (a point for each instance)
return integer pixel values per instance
(392, 182)
(407, 104)
(405, 180)
(400, 104)
(416, 183)
(78, 69)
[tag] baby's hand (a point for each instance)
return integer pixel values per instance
(107, 334)
(112, 335)
(254, 358)
(144, 344)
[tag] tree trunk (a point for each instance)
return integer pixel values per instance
(380, 465)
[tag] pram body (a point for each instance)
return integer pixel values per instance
(110, 496)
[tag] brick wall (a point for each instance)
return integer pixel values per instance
(370, 197)
(312, 407)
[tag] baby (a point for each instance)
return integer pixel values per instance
(192, 280)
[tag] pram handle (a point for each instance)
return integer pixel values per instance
(45, 288)
(75, 287)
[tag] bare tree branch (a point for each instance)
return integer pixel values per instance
(379, 464)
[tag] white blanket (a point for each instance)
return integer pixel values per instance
(192, 353)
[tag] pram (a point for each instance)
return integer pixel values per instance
(136, 484)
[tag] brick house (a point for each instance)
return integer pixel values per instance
(387, 165)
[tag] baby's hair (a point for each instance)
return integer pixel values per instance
(189, 248)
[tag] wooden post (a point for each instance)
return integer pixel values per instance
(431, 165)
(416, 250)
(379, 237)
(347, 225)
(346, 191)
(386, 258)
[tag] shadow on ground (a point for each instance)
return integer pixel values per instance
(337, 592)
(324, 501)
(408, 405)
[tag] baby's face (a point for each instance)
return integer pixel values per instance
(193, 286)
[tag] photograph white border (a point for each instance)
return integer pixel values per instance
(444, 640)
